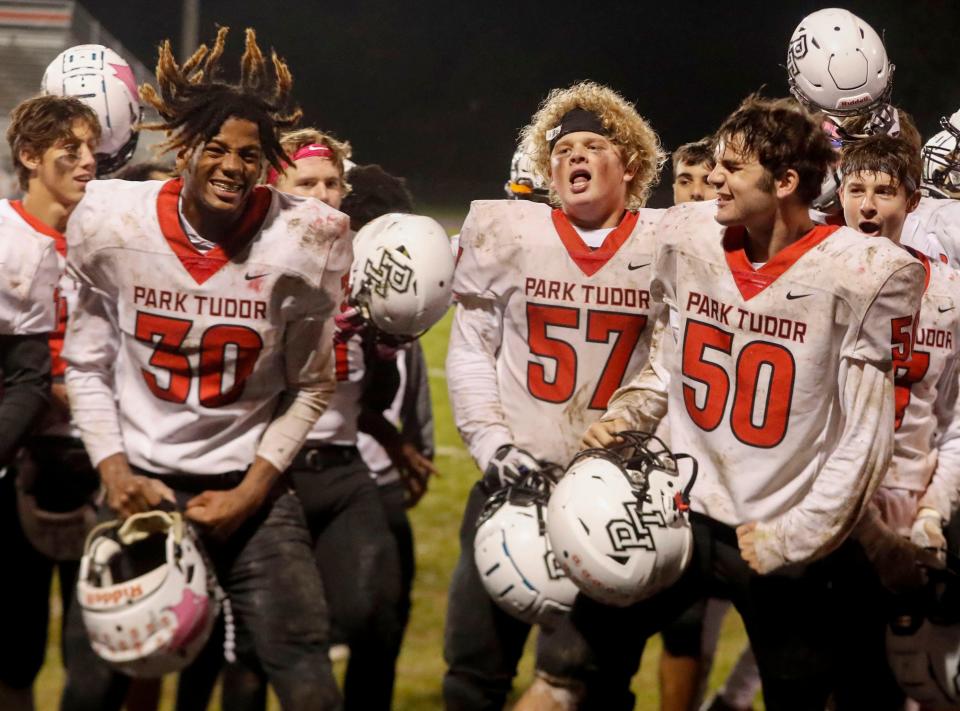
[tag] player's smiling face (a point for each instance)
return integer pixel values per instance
(68, 165)
(316, 177)
(744, 188)
(875, 204)
(588, 174)
(223, 171)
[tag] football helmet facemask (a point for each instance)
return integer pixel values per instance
(103, 80)
(617, 520)
(146, 594)
(525, 182)
(941, 160)
(513, 554)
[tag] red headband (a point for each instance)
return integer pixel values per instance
(312, 150)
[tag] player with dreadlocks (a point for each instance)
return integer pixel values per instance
(205, 301)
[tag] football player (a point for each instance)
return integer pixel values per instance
(354, 551)
(881, 179)
(552, 314)
(200, 355)
(781, 332)
(692, 163)
(49, 504)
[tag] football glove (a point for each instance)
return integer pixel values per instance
(508, 464)
(927, 533)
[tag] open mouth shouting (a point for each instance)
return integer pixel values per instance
(869, 227)
(579, 180)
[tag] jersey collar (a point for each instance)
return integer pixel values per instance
(203, 265)
(59, 241)
(752, 281)
(590, 261)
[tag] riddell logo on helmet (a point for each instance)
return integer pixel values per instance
(113, 597)
(853, 101)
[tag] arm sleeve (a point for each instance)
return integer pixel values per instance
(310, 383)
(943, 492)
(847, 480)
(642, 402)
(90, 350)
(25, 361)
(472, 377)
(416, 410)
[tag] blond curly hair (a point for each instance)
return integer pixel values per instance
(638, 143)
(293, 141)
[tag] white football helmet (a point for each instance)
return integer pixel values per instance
(513, 555)
(617, 520)
(923, 644)
(837, 64)
(525, 182)
(146, 594)
(401, 278)
(941, 160)
(103, 80)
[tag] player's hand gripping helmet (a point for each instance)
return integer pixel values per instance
(617, 520)
(103, 80)
(837, 64)
(525, 182)
(941, 160)
(513, 555)
(923, 643)
(401, 279)
(146, 594)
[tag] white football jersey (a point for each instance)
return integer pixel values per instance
(921, 378)
(338, 423)
(934, 229)
(54, 422)
(576, 321)
(201, 344)
(753, 391)
(28, 279)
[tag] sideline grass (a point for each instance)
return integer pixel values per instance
(436, 523)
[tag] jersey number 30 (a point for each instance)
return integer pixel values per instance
(600, 326)
(220, 346)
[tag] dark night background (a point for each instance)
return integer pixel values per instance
(436, 91)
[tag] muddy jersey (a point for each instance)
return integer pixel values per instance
(929, 230)
(924, 377)
(28, 279)
(576, 321)
(54, 422)
(753, 389)
(198, 346)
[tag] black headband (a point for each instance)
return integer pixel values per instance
(576, 120)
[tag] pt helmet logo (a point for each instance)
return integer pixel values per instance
(390, 274)
(634, 531)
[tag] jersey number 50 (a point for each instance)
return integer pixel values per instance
(758, 424)
(167, 335)
(600, 326)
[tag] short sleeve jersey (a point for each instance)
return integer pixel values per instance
(754, 392)
(576, 321)
(918, 379)
(201, 351)
(28, 279)
(934, 229)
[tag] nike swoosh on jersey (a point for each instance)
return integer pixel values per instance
(793, 296)
(632, 267)
(251, 277)
(944, 310)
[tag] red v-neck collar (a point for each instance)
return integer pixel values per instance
(924, 260)
(59, 241)
(752, 281)
(203, 265)
(589, 260)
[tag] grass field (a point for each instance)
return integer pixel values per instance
(436, 521)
